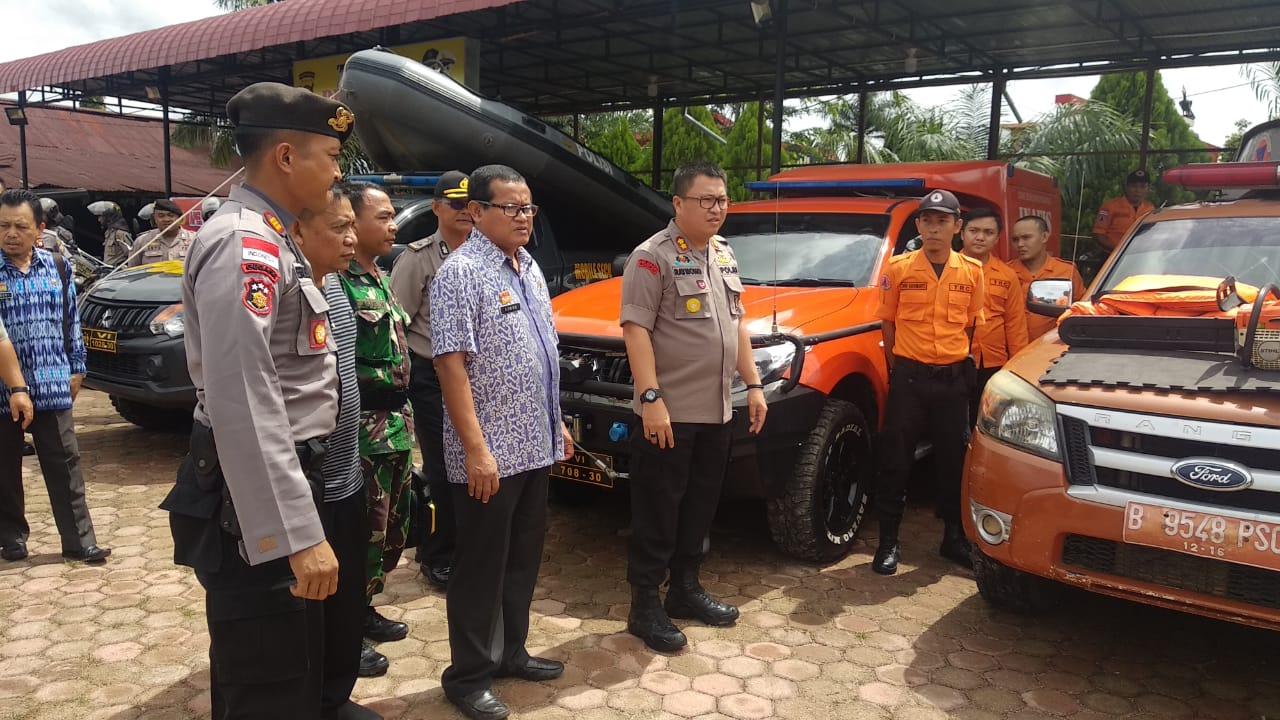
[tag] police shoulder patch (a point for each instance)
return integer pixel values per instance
(273, 223)
(258, 296)
(417, 245)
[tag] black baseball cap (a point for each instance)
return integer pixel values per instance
(276, 106)
(452, 186)
(1136, 177)
(940, 201)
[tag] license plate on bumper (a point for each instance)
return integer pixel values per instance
(100, 340)
(1220, 537)
(584, 470)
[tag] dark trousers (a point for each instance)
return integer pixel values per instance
(975, 398)
(930, 402)
(346, 527)
(54, 435)
(494, 571)
(438, 532)
(674, 494)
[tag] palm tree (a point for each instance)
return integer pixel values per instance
(1265, 80)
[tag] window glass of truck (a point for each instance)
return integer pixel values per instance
(1215, 247)
(810, 248)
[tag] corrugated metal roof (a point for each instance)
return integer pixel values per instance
(101, 152)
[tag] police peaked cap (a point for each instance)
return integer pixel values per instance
(275, 106)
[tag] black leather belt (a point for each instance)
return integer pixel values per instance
(371, 399)
(919, 369)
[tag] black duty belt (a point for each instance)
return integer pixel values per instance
(371, 399)
(919, 369)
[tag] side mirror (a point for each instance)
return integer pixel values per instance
(619, 265)
(1050, 298)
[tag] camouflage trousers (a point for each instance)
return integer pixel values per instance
(388, 489)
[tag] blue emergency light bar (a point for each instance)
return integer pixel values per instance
(902, 184)
(427, 182)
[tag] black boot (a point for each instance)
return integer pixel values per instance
(886, 560)
(649, 622)
(955, 547)
(686, 599)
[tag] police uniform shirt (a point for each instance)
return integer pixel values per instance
(931, 312)
(691, 303)
(1003, 331)
(162, 248)
(411, 284)
(264, 368)
(1053, 269)
(1116, 216)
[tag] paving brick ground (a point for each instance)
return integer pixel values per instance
(126, 641)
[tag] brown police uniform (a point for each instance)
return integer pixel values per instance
(1003, 331)
(162, 248)
(691, 303)
(265, 371)
(932, 376)
(1053, 269)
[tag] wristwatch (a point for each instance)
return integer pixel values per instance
(650, 395)
(19, 389)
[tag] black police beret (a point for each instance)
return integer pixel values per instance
(276, 106)
(168, 206)
(1137, 177)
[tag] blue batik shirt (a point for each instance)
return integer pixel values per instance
(501, 319)
(31, 309)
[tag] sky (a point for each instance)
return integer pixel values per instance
(1220, 95)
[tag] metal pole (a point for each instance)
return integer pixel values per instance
(656, 145)
(1147, 99)
(861, 157)
(993, 128)
(779, 86)
(22, 140)
(759, 138)
(168, 145)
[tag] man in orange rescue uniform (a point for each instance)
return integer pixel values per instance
(930, 302)
(1004, 315)
(1117, 215)
(1031, 242)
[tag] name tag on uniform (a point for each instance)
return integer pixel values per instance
(507, 302)
(960, 287)
(4, 291)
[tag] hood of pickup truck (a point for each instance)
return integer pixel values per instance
(593, 310)
(159, 283)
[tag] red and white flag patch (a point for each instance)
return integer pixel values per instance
(260, 251)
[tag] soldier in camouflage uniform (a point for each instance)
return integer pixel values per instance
(382, 368)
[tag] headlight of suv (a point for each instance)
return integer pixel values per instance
(169, 322)
(772, 362)
(1014, 412)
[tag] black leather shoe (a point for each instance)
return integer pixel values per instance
(28, 449)
(14, 552)
(687, 600)
(380, 629)
(93, 555)
(438, 576)
(351, 711)
(481, 705)
(536, 670)
(955, 547)
(372, 662)
(649, 622)
(885, 561)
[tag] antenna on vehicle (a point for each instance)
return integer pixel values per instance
(777, 203)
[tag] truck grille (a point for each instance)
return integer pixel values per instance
(1229, 581)
(578, 366)
(122, 318)
(115, 367)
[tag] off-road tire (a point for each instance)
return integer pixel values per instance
(798, 516)
(148, 417)
(1008, 589)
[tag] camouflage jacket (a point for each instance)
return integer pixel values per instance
(382, 359)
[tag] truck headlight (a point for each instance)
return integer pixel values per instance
(1014, 412)
(169, 322)
(772, 362)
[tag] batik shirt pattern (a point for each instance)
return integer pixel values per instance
(32, 312)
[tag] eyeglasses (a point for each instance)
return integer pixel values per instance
(707, 202)
(512, 210)
(455, 205)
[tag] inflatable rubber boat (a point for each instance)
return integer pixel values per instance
(410, 117)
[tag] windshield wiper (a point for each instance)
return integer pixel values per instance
(813, 282)
(750, 280)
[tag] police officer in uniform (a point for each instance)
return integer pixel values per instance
(167, 241)
(411, 283)
(244, 509)
(930, 302)
(682, 322)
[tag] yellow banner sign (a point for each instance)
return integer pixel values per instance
(457, 56)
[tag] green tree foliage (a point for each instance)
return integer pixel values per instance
(1265, 80)
(618, 144)
(1231, 146)
(685, 142)
(743, 154)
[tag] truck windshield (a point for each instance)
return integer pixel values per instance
(1248, 248)
(837, 249)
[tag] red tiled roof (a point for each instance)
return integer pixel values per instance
(101, 152)
(271, 25)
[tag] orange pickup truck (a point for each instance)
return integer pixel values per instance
(1137, 454)
(809, 255)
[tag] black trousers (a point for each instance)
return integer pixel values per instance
(494, 572)
(438, 533)
(924, 402)
(54, 436)
(346, 527)
(975, 398)
(674, 494)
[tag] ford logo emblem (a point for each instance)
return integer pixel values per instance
(1211, 474)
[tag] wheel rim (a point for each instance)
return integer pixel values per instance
(841, 487)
